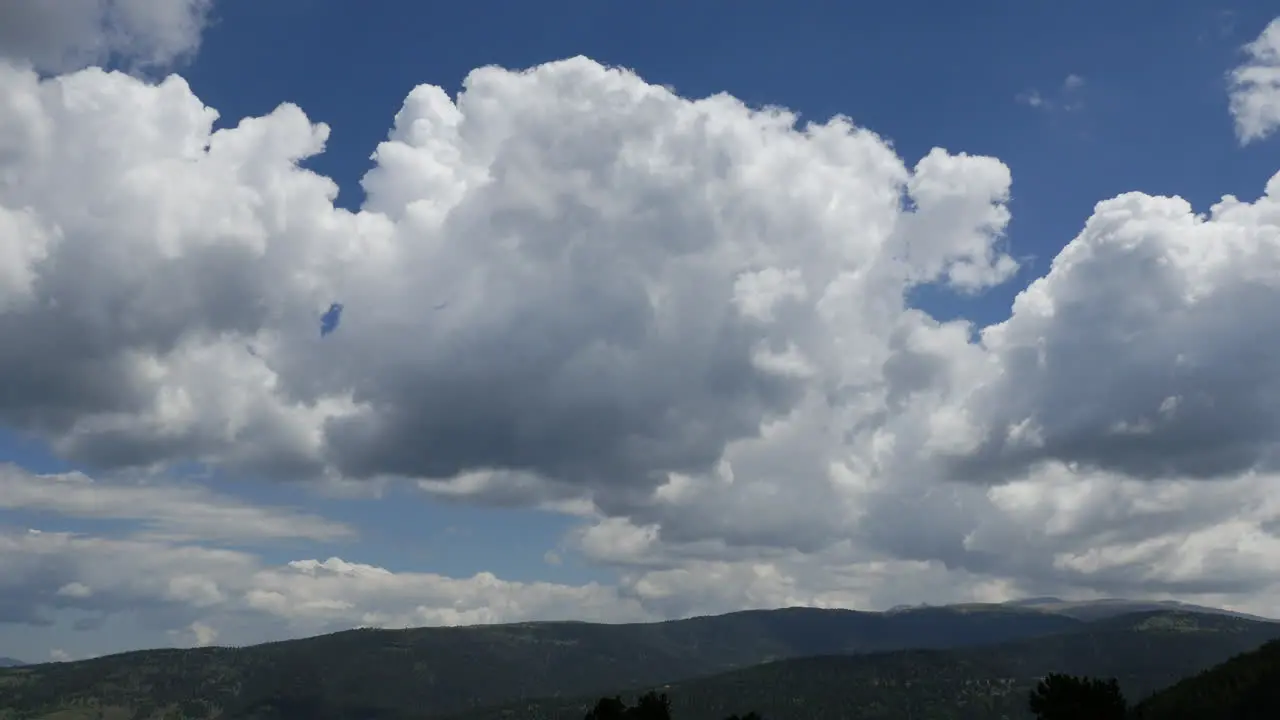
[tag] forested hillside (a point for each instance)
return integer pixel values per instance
(1246, 687)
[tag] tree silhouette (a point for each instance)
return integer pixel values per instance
(608, 708)
(1065, 697)
(650, 706)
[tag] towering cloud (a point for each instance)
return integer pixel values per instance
(685, 320)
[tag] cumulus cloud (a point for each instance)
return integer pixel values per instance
(69, 34)
(1057, 532)
(209, 596)
(609, 254)
(1178, 538)
(234, 597)
(1255, 87)
(684, 321)
(198, 634)
(1144, 350)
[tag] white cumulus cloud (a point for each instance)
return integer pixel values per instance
(588, 234)
(684, 321)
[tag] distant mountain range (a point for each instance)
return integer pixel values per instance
(10, 662)
(1110, 607)
(1090, 609)
(917, 658)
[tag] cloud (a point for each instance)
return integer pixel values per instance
(1065, 525)
(1067, 98)
(1254, 87)
(612, 316)
(1032, 98)
(45, 571)
(234, 597)
(683, 321)
(1133, 536)
(162, 509)
(70, 34)
(197, 634)
(1177, 380)
(1057, 532)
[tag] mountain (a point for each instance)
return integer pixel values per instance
(1145, 651)
(386, 673)
(435, 672)
(1110, 607)
(10, 662)
(1246, 687)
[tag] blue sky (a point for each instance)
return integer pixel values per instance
(1081, 102)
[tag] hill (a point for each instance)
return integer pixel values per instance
(1246, 687)
(1110, 607)
(491, 672)
(10, 662)
(1145, 651)
(436, 671)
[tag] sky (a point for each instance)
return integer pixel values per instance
(317, 315)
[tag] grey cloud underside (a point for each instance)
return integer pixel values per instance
(78, 352)
(1179, 382)
(68, 34)
(516, 407)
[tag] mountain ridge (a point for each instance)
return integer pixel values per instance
(437, 672)
(1081, 610)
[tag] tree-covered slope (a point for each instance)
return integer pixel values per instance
(1246, 687)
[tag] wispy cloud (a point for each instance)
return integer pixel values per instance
(1066, 97)
(1254, 87)
(167, 511)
